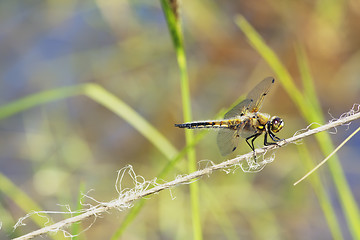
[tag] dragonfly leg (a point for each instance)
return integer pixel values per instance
(273, 137)
(253, 137)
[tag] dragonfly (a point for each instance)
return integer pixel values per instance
(244, 120)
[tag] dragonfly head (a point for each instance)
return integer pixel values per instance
(276, 124)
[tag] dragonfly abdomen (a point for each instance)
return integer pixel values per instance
(209, 124)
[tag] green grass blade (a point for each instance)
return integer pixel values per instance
(321, 194)
(36, 99)
(113, 103)
(307, 80)
(326, 145)
(310, 113)
(76, 228)
(25, 203)
(219, 214)
(271, 58)
(128, 219)
(100, 95)
(349, 205)
(174, 25)
(7, 220)
(328, 157)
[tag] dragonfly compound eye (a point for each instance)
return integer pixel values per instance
(276, 124)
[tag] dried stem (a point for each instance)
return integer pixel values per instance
(127, 197)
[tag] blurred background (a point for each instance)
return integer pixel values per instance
(58, 149)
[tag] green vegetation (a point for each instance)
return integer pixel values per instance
(160, 63)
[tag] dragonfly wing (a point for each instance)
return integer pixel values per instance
(239, 109)
(227, 140)
(256, 96)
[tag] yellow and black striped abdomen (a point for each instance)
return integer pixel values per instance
(232, 123)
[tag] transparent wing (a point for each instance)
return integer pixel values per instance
(253, 101)
(227, 140)
(256, 96)
(238, 110)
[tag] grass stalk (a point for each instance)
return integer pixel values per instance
(25, 203)
(171, 11)
(310, 114)
(321, 194)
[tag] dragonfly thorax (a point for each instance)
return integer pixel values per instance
(260, 119)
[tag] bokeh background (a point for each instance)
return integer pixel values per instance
(60, 148)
